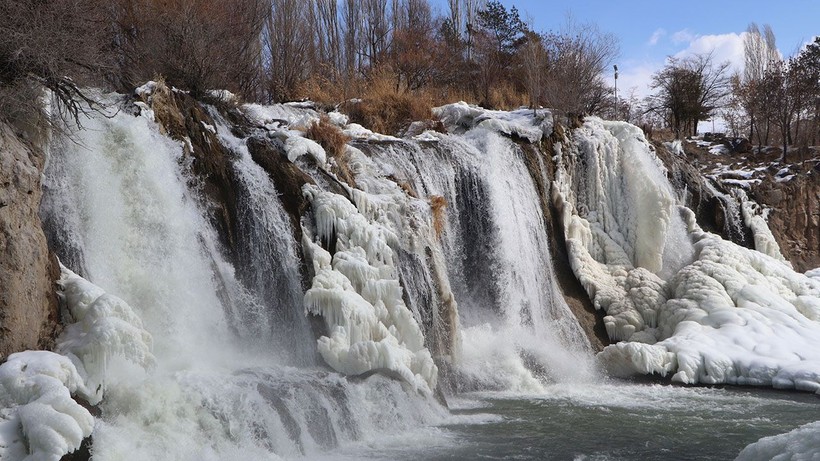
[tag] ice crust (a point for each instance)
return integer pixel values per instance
(697, 308)
(801, 444)
(520, 122)
(39, 419)
(357, 293)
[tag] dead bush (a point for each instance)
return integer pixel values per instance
(329, 136)
(387, 108)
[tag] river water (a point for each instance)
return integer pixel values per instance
(613, 420)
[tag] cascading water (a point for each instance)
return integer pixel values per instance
(400, 287)
(122, 190)
(517, 329)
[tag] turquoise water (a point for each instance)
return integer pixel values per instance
(610, 421)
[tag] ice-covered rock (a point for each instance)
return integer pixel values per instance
(682, 302)
(523, 123)
(801, 444)
(39, 419)
(296, 145)
(104, 327)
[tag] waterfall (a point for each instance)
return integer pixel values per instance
(225, 384)
(518, 332)
(409, 271)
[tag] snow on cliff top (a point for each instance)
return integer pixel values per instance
(522, 122)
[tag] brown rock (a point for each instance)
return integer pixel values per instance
(28, 303)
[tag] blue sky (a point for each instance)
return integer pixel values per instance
(649, 31)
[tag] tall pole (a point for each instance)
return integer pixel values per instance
(616, 91)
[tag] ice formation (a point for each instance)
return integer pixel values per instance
(755, 219)
(296, 145)
(39, 419)
(801, 444)
(104, 327)
(682, 302)
(357, 293)
(520, 122)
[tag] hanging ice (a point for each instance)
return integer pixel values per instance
(357, 293)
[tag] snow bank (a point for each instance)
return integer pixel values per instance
(682, 302)
(522, 122)
(357, 292)
(39, 420)
(802, 443)
(356, 131)
(277, 115)
(296, 145)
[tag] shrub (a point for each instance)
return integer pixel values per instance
(387, 109)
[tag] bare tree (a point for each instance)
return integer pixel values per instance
(287, 39)
(689, 90)
(578, 55)
(196, 45)
(534, 62)
(760, 52)
(56, 44)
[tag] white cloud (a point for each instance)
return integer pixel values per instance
(656, 36)
(724, 47)
(637, 76)
(682, 36)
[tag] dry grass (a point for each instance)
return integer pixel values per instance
(329, 136)
(438, 205)
(387, 107)
(334, 142)
(506, 97)
(166, 112)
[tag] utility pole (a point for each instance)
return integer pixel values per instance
(616, 91)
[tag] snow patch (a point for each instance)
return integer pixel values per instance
(523, 123)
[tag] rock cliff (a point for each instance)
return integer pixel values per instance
(28, 304)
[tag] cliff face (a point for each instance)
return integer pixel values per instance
(28, 304)
(795, 217)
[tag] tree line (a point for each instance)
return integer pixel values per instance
(280, 50)
(774, 100)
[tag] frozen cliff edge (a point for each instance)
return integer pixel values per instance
(39, 419)
(681, 301)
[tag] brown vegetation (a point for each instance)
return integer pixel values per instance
(387, 110)
(398, 56)
(438, 205)
(329, 136)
